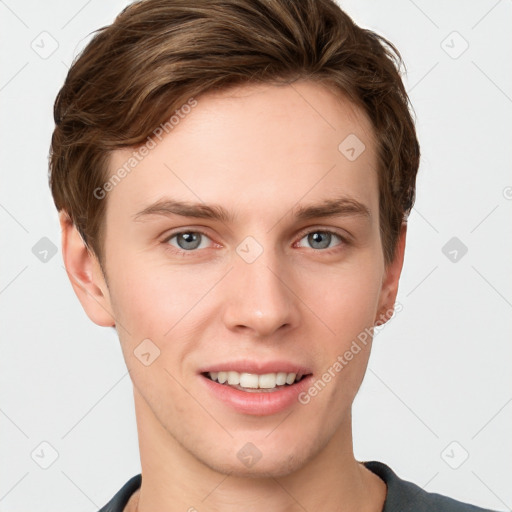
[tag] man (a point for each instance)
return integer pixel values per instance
(233, 180)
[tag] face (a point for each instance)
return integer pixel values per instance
(246, 246)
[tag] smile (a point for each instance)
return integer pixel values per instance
(253, 381)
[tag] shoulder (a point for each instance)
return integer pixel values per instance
(403, 496)
(121, 498)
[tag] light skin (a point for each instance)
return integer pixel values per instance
(261, 152)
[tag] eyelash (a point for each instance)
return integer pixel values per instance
(175, 250)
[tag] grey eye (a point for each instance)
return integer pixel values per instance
(321, 239)
(187, 240)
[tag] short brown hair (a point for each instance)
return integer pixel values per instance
(135, 73)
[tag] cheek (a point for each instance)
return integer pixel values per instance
(149, 296)
(167, 304)
(136, 305)
(348, 307)
(345, 300)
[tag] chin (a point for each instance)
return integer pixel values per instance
(274, 467)
(258, 459)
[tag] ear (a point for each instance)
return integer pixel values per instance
(85, 274)
(389, 287)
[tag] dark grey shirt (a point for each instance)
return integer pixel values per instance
(402, 496)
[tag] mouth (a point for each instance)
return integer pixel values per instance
(254, 382)
(256, 388)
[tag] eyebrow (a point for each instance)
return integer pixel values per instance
(335, 207)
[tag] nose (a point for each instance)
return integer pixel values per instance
(260, 298)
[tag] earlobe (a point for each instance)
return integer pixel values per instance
(85, 274)
(392, 274)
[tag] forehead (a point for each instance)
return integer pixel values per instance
(254, 146)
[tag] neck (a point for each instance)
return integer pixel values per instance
(175, 480)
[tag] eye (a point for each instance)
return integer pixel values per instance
(321, 239)
(187, 240)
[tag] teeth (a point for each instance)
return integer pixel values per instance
(290, 378)
(233, 378)
(255, 381)
(267, 381)
(248, 380)
(281, 378)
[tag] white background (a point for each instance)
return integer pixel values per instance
(440, 370)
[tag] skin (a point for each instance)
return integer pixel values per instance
(260, 151)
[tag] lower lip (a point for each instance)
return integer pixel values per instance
(258, 403)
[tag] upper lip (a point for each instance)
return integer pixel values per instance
(259, 367)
